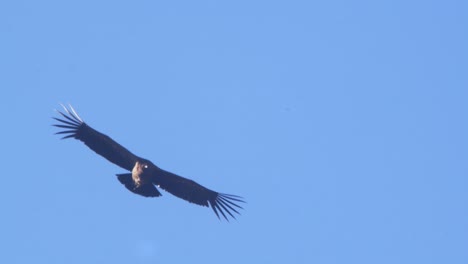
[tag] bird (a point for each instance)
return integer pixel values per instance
(144, 178)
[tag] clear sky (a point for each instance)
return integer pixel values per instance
(344, 125)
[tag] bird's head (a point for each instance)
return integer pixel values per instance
(139, 168)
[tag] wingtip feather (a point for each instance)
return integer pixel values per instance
(70, 121)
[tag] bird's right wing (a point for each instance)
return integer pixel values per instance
(98, 142)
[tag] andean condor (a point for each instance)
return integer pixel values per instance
(145, 176)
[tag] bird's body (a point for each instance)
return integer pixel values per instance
(145, 176)
(140, 181)
(138, 177)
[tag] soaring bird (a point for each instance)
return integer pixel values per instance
(145, 176)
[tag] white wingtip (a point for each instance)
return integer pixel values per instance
(74, 112)
(64, 108)
(71, 112)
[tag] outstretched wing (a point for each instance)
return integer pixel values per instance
(189, 190)
(98, 142)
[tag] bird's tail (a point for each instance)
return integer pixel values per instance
(147, 190)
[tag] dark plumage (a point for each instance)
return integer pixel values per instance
(145, 176)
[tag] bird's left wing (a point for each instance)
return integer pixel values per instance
(225, 204)
(98, 142)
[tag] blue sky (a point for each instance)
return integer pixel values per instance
(342, 123)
